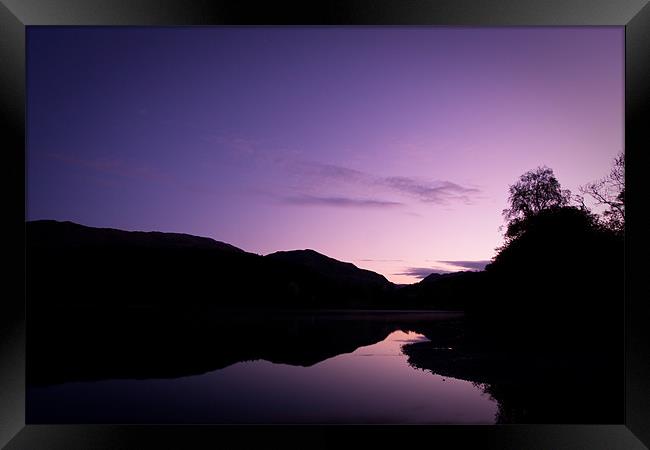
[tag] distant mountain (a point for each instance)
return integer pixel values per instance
(329, 267)
(446, 277)
(68, 263)
(455, 290)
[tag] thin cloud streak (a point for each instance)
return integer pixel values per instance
(433, 192)
(421, 272)
(341, 202)
(472, 265)
(439, 192)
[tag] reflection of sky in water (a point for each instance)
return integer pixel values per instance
(373, 384)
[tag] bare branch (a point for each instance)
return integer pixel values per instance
(610, 192)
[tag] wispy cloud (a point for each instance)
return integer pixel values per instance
(472, 265)
(420, 272)
(428, 191)
(431, 192)
(345, 186)
(341, 202)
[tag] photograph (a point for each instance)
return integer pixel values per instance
(341, 225)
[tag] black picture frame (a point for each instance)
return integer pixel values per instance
(16, 15)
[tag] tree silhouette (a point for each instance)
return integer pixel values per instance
(610, 192)
(535, 191)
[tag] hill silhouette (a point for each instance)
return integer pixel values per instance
(456, 290)
(329, 267)
(559, 260)
(72, 264)
(69, 235)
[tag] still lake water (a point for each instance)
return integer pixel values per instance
(369, 384)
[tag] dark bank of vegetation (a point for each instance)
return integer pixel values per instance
(559, 274)
(544, 327)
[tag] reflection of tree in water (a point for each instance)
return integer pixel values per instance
(545, 332)
(533, 387)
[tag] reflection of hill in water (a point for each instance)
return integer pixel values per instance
(542, 385)
(374, 384)
(89, 344)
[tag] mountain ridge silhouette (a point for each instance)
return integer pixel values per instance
(77, 264)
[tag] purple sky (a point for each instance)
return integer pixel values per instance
(391, 148)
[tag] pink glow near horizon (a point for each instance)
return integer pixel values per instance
(391, 148)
